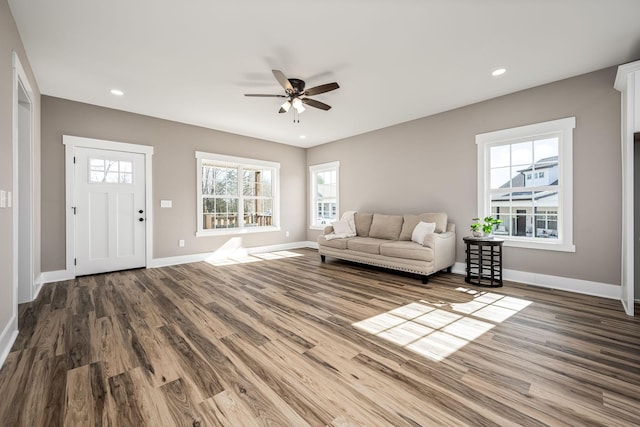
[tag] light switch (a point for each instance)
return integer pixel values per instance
(3, 199)
(166, 203)
(9, 199)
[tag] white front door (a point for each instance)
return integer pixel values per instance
(109, 210)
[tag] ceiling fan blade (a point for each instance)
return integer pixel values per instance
(316, 104)
(321, 89)
(265, 95)
(282, 79)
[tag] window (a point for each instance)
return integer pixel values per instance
(110, 171)
(525, 179)
(324, 194)
(236, 195)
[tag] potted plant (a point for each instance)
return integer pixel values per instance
(484, 227)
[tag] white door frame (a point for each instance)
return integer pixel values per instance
(628, 83)
(23, 169)
(71, 142)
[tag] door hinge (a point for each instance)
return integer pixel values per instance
(75, 261)
(74, 160)
(74, 209)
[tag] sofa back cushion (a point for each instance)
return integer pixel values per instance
(363, 223)
(386, 226)
(410, 222)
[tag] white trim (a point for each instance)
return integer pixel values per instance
(626, 79)
(56, 276)
(37, 286)
(312, 190)
(586, 287)
(236, 161)
(7, 338)
(20, 78)
(71, 142)
(185, 259)
(232, 231)
(564, 129)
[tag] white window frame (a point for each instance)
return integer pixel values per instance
(238, 162)
(563, 128)
(313, 171)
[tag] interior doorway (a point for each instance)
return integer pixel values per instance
(23, 186)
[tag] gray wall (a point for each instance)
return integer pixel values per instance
(429, 165)
(9, 42)
(423, 165)
(174, 176)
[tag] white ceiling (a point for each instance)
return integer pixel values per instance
(395, 60)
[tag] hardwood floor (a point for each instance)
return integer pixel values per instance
(288, 341)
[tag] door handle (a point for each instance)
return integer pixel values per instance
(140, 219)
(140, 211)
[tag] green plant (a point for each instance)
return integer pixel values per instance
(486, 224)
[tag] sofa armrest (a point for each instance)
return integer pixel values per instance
(444, 248)
(328, 229)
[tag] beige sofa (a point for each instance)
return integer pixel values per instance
(386, 241)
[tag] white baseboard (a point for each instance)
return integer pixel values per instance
(222, 254)
(7, 338)
(587, 287)
(55, 276)
(37, 286)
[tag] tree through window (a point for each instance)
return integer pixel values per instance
(236, 193)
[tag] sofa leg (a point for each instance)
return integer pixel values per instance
(425, 280)
(322, 258)
(449, 269)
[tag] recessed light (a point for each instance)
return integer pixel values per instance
(303, 136)
(499, 72)
(117, 92)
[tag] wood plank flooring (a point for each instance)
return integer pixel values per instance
(285, 340)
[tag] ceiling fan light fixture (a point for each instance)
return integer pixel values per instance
(297, 104)
(286, 106)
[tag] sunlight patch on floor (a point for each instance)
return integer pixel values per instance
(436, 330)
(249, 258)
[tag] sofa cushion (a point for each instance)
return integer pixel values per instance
(333, 243)
(367, 245)
(363, 223)
(341, 227)
(421, 230)
(386, 226)
(407, 250)
(410, 222)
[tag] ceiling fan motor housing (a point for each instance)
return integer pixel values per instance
(298, 86)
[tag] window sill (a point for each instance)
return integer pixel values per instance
(318, 227)
(231, 231)
(535, 244)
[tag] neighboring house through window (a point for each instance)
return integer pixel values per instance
(236, 195)
(525, 178)
(324, 180)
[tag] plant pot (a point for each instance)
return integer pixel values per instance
(477, 234)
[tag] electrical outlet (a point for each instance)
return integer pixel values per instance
(286, 233)
(181, 243)
(9, 199)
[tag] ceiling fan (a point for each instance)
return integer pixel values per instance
(296, 94)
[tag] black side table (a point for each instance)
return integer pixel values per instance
(484, 261)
